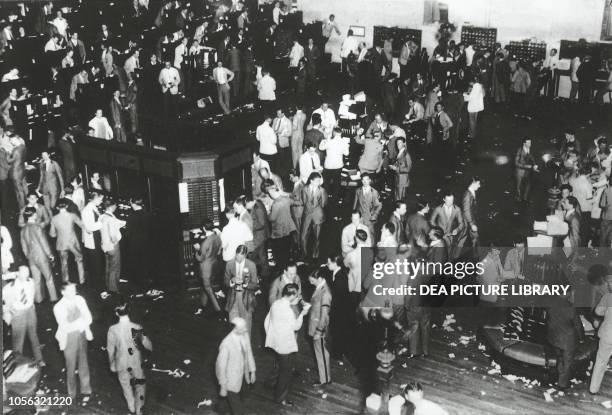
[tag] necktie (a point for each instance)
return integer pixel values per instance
(313, 163)
(23, 297)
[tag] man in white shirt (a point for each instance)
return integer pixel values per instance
(234, 234)
(295, 56)
(73, 332)
(60, 23)
(132, 63)
(328, 119)
(223, 77)
(179, 53)
(266, 87)
(282, 127)
(475, 105)
(101, 127)
(110, 233)
(19, 312)
(348, 233)
(235, 363)
(574, 65)
(169, 79)
(349, 45)
(335, 149)
(551, 63)
(329, 26)
(309, 162)
(91, 236)
(281, 324)
(268, 141)
(469, 55)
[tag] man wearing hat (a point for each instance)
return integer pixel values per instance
(235, 362)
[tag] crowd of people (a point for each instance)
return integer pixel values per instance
(304, 160)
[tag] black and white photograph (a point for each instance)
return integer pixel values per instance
(235, 207)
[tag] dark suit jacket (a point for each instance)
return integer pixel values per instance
(448, 224)
(469, 208)
(281, 222)
(116, 112)
(261, 224)
(573, 222)
(416, 225)
(369, 205)
(562, 324)
(313, 136)
(248, 294)
(79, 49)
(314, 205)
(399, 223)
(66, 147)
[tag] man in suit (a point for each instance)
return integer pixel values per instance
(62, 228)
(235, 362)
(524, 164)
(377, 126)
(282, 127)
(448, 216)
(563, 333)
(402, 167)
(75, 44)
(470, 211)
(312, 54)
(397, 219)
(17, 171)
(282, 225)
(297, 207)
(207, 254)
(261, 234)
(289, 276)
(417, 226)
(110, 233)
(131, 103)
(572, 217)
(116, 108)
(42, 214)
(367, 202)
(66, 146)
(314, 197)
(19, 312)
(73, 332)
(318, 325)
(125, 343)
(51, 182)
(37, 251)
(242, 282)
(341, 311)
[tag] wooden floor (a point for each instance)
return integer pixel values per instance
(189, 342)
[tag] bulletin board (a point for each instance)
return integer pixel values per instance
(399, 36)
(479, 36)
